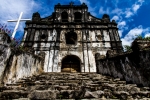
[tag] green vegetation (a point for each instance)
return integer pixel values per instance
(139, 37)
(13, 41)
(127, 48)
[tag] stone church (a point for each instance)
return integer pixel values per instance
(71, 38)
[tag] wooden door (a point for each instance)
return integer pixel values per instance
(70, 67)
(70, 64)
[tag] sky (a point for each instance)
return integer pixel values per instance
(132, 16)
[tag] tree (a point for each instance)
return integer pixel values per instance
(14, 42)
(139, 37)
(4, 29)
(127, 48)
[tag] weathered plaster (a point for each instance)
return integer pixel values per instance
(91, 38)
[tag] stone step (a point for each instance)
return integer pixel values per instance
(13, 94)
(14, 88)
(72, 85)
(22, 99)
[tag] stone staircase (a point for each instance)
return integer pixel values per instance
(51, 86)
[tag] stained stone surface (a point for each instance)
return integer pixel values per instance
(5, 53)
(18, 65)
(73, 86)
(96, 46)
(71, 31)
(134, 67)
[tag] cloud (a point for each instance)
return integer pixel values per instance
(122, 14)
(135, 7)
(104, 11)
(117, 11)
(116, 18)
(84, 1)
(133, 10)
(11, 9)
(123, 17)
(128, 13)
(147, 35)
(133, 33)
(120, 32)
(121, 24)
(101, 10)
(91, 9)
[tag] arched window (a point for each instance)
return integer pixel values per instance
(71, 38)
(77, 17)
(64, 16)
(43, 35)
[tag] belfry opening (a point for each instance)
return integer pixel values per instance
(71, 63)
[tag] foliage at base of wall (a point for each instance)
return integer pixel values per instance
(21, 50)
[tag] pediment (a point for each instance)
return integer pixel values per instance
(91, 18)
(49, 18)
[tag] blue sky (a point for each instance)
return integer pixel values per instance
(132, 16)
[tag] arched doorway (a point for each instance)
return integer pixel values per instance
(71, 63)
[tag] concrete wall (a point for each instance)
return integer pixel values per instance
(4, 57)
(15, 65)
(94, 35)
(133, 67)
(89, 42)
(87, 45)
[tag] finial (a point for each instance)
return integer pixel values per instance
(71, 3)
(83, 4)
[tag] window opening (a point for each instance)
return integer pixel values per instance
(71, 38)
(64, 17)
(77, 16)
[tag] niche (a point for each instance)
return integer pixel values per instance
(43, 36)
(71, 38)
(77, 17)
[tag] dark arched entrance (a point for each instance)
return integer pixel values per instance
(71, 63)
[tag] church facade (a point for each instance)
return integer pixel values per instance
(71, 38)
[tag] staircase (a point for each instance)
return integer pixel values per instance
(72, 86)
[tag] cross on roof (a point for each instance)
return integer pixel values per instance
(16, 27)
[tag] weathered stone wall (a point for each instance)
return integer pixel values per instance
(134, 67)
(15, 65)
(71, 30)
(5, 53)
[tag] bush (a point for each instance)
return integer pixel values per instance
(127, 48)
